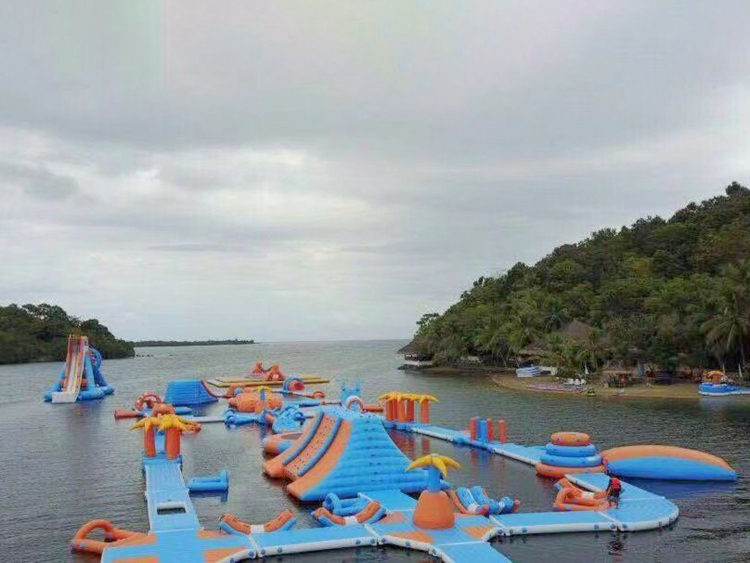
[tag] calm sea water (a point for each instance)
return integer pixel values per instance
(63, 465)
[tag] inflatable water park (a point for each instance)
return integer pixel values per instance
(81, 377)
(338, 460)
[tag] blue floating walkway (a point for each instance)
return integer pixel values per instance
(530, 455)
(175, 534)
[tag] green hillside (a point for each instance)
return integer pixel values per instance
(40, 333)
(667, 291)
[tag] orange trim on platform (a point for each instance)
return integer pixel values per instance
(555, 472)
(630, 452)
(144, 539)
(221, 553)
(209, 534)
(324, 466)
(478, 532)
(413, 536)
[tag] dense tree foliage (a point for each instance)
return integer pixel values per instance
(668, 291)
(40, 333)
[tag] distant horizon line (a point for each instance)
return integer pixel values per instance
(278, 341)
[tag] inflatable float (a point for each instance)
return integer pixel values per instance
(256, 401)
(233, 525)
(372, 512)
(572, 498)
(667, 463)
(475, 500)
(218, 482)
(112, 537)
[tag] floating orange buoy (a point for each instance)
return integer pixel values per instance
(571, 439)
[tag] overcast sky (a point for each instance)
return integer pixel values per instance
(330, 170)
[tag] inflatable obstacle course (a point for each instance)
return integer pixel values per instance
(345, 457)
(343, 452)
(81, 378)
(244, 382)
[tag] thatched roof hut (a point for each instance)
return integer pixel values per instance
(409, 349)
(575, 331)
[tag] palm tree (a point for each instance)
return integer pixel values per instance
(173, 426)
(437, 466)
(434, 508)
(593, 348)
(149, 424)
(424, 407)
(738, 275)
(727, 331)
(556, 315)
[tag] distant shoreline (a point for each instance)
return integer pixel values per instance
(167, 343)
(546, 385)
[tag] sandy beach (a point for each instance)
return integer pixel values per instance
(549, 385)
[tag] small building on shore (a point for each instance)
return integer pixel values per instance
(535, 353)
(413, 359)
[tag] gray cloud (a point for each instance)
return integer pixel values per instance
(245, 171)
(38, 181)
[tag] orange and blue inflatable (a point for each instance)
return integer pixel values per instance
(667, 463)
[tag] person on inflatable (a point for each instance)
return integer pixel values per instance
(613, 492)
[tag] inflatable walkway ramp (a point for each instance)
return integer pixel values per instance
(344, 452)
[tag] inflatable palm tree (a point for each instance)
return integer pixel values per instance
(434, 508)
(424, 406)
(149, 424)
(173, 426)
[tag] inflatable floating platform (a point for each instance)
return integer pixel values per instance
(667, 463)
(258, 382)
(722, 389)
